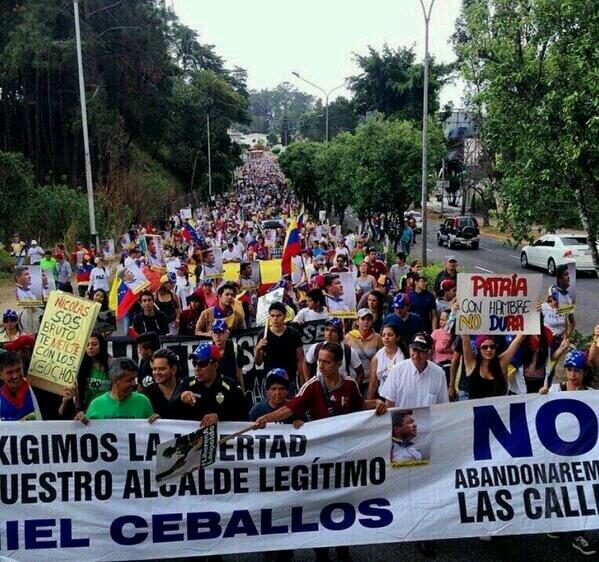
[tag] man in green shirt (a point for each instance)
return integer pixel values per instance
(48, 263)
(121, 401)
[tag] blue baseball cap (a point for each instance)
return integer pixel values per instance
(205, 352)
(400, 300)
(219, 325)
(335, 322)
(277, 376)
(575, 358)
(10, 314)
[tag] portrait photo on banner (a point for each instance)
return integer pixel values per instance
(340, 294)
(410, 437)
(249, 275)
(48, 284)
(28, 285)
(107, 248)
(212, 263)
(133, 277)
(124, 241)
(154, 250)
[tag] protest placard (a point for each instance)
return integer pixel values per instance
(28, 285)
(185, 453)
(511, 465)
(498, 303)
(264, 302)
(565, 284)
(61, 341)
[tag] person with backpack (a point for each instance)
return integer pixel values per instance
(351, 365)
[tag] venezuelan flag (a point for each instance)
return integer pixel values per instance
(121, 298)
(300, 219)
(292, 246)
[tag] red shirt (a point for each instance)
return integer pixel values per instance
(344, 400)
(377, 269)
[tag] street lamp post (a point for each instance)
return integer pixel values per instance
(209, 157)
(326, 98)
(427, 18)
(88, 163)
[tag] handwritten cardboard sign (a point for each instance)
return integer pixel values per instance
(61, 341)
(498, 303)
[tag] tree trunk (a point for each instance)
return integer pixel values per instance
(588, 226)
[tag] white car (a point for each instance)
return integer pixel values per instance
(417, 216)
(553, 250)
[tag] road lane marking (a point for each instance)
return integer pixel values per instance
(483, 269)
(483, 248)
(428, 250)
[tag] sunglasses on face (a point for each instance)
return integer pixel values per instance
(9, 319)
(487, 347)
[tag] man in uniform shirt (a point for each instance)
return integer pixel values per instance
(207, 396)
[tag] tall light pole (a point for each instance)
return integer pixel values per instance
(326, 103)
(427, 18)
(209, 157)
(88, 162)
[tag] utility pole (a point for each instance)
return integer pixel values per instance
(424, 199)
(88, 162)
(442, 184)
(209, 158)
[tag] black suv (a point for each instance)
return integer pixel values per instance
(459, 230)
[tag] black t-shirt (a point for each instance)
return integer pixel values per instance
(223, 397)
(281, 351)
(231, 360)
(144, 373)
(159, 402)
(156, 323)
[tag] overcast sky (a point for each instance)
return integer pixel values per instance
(316, 38)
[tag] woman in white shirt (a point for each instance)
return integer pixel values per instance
(99, 276)
(385, 359)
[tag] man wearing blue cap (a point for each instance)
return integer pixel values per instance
(277, 389)
(207, 396)
(231, 359)
(408, 323)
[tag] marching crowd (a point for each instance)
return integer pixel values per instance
(398, 350)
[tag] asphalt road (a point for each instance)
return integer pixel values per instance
(496, 256)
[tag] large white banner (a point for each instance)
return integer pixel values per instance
(498, 303)
(512, 465)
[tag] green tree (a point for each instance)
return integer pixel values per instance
(341, 118)
(16, 187)
(537, 68)
(392, 83)
(335, 168)
(387, 164)
(298, 164)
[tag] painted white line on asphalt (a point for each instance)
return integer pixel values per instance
(483, 269)
(483, 248)
(428, 250)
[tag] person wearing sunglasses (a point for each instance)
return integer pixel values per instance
(10, 326)
(207, 396)
(487, 371)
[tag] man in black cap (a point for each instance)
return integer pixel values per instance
(207, 396)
